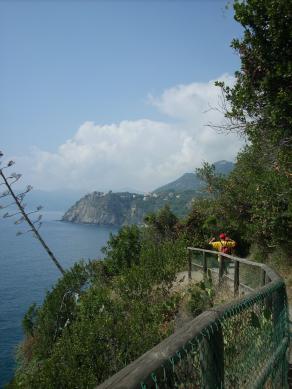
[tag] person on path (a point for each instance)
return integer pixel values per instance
(223, 245)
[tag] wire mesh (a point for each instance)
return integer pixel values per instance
(242, 344)
(252, 333)
(250, 277)
(197, 260)
(245, 348)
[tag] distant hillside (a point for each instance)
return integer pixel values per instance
(125, 208)
(223, 167)
(190, 181)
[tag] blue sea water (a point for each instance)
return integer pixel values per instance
(27, 272)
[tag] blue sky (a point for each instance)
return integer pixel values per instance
(67, 63)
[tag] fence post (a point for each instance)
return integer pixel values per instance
(281, 329)
(236, 278)
(221, 268)
(212, 359)
(204, 263)
(268, 299)
(190, 264)
(278, 303)
(263, 277)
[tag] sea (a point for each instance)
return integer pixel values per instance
(27, 273)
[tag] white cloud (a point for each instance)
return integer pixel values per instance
(142, 154)
(191, 103)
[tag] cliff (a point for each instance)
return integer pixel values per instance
(125, 208)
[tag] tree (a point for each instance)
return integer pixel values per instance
(257, 195)
(261, 99)
(213, 180)
(81, 342)
(123, 250)
(163, 222)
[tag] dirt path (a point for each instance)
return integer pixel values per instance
(182, 280)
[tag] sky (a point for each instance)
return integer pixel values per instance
(100, 95)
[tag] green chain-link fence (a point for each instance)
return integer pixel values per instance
(242, 344)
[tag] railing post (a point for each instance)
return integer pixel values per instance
(190, 264)
(221, 268)
(268, 299)
(281, 327)
(212, 359)
(204, 263)
(279, 301)
(236, 278)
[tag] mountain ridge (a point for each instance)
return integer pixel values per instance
(124, 208)
(190, 181)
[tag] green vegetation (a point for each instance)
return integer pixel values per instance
(201, 296)
(254, 201)
(102, 315)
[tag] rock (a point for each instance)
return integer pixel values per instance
(104, 209)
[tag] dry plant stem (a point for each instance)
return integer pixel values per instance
(35, 231)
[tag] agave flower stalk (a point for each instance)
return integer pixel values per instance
(18, 200)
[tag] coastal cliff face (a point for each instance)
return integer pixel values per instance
(118, 209)
(124, 208)
(105, 209)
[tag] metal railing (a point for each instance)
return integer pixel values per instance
(242, 344)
